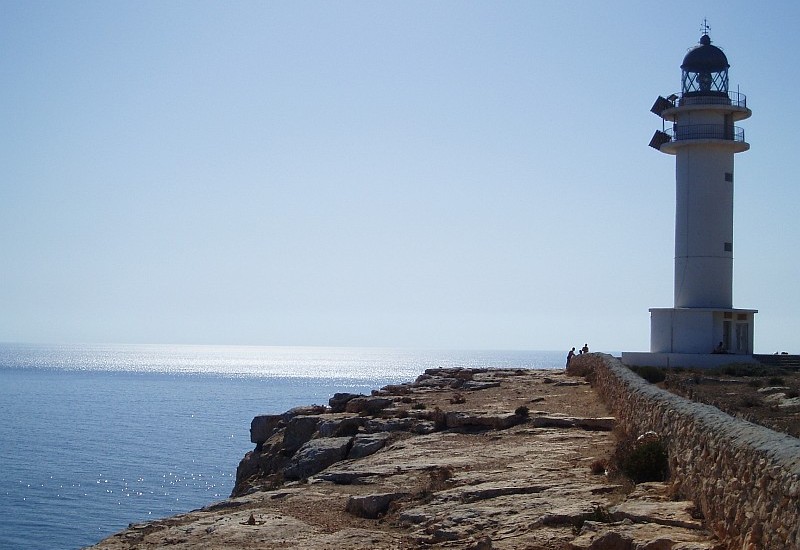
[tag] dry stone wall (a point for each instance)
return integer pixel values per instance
(745, 478)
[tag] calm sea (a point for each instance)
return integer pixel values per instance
(94, 437)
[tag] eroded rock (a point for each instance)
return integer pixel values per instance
(372, 506)
(264, 426)
(460, 419)
(367, 405)
(340, 426)
(338, 402)
(298, 431)
(367, 444)
(316, 455)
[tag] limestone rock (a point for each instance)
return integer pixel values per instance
(675, 514)
(340, 426)
(367, 444)
(339, 401)
(638, 536)
(367, 405)
(299, 430)
(775, 398)
(423, 427)
(374, 425)
(609, 540)
(605, 423)
(305, 410)
(247, 468)
(790, 403)
(552, 421)
(372, 506)
(774, 389)
(262, 427)
(425, 381)
(475, 385)
(316, 455)
(459, 419)
(487, 491)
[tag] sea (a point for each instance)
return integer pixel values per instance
(96, 437)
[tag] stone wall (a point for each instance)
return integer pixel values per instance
(745, 478)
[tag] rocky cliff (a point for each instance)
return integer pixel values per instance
(459, 458)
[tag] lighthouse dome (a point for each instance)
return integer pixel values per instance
(705, 58)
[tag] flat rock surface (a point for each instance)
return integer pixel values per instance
(504, 483)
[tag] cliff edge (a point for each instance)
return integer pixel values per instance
(460, 458)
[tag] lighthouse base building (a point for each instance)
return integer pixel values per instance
(702, 328)
(691, 337)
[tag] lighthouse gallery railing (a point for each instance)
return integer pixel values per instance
(717, 98)
(680, 132)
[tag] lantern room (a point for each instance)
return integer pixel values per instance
(705, 70)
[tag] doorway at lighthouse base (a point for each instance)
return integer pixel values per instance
(697, 337)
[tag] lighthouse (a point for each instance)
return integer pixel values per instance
(699, 128)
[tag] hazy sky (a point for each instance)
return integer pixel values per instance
(426, 174)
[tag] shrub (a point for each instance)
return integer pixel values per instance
(791, 394)
(644, 459)
(747, 370)
(522, 411)
(749, 402)
(438, 477)
(437, 480)
(776, 381)
(457, 399)
(464, 375)
(598, 467)
(601, 515)
(418, 406)
(438, 417)
(738, 370)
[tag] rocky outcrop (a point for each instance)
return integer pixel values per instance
(471, 420)
(314, 456)
(338, 402)
(366, 444)
(457, 459)
(367, 405)
(372, 506)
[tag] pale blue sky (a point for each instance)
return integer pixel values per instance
(423, 174)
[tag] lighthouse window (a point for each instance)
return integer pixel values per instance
(729, 177)
(728, 247)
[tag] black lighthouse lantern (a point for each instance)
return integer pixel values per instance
(705, 71)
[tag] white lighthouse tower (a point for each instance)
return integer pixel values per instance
(702, 327)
